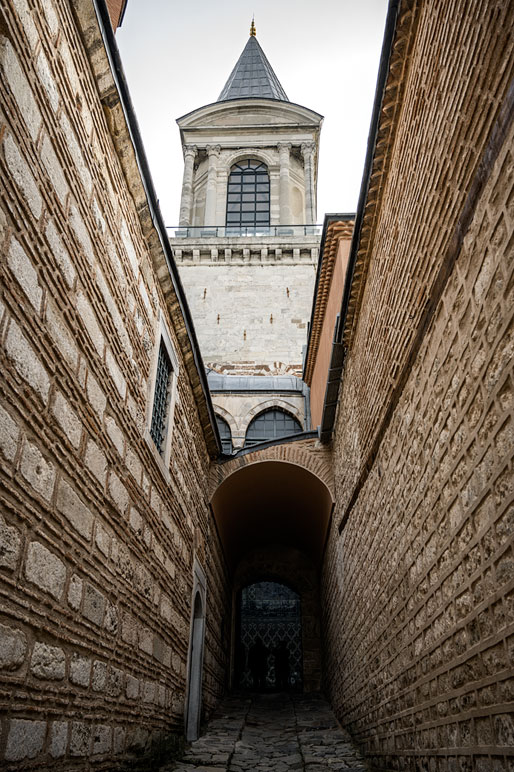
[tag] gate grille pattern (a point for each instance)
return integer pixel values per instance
(273, 612)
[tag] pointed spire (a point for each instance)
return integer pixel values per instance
(253, 75)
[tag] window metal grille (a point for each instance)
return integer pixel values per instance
(248, 197)
(161, 398)
(225, 435)
(270, 425)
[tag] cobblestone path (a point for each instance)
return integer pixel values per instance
(271, 733)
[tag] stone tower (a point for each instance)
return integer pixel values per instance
(247, 242)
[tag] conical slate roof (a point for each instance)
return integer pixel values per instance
(252, 76)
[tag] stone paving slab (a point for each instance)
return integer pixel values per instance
(272, 733)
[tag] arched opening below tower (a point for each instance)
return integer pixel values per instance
(272, 517)
(272, 502)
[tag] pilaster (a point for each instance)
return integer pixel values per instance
(310, 198)
(187, 185)
(284, 149)
(213, 152)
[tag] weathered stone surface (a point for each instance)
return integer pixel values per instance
(45, 76)
(114, 685)
(45, 569)
(95, 395)
(67, 419)
(10, 543)
(37, 471)
(115, 433)
(25, 739)
(58, 739)
(72, 507)
(80, 739)
(21, 174)
(99, 676)
(96, 461)
(90, 322)
(48, 662)
(132, 687)
(94, 604)
(54, 169)
(118, 493)
(17, 83)
(13, 647)
(60, 253)
(80, 670)
(26, 362)
(75, 591)
(102, 739)
(61, 334)
(272, 733)
(25, 273)
(9, 433)
(119, 739)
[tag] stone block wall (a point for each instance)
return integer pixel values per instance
(418, 585)
(251, 300)
(96, 545)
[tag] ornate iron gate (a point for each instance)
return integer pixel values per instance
(272, 612)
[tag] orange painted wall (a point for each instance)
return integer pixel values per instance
(115, 8)
(319, 377)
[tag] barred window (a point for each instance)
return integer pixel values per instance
(270, 425)
(161, 400)
(248, 197)
(225, 435)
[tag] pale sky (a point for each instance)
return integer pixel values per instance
(178, 56)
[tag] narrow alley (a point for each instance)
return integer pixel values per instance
(271, 733)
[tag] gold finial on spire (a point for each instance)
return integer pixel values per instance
(253, 31)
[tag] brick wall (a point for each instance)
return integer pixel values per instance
(419, 572)
(96, 546)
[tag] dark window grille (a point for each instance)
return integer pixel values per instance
(225, 435)
(248, 198)
(272, 612)
(270, 425)
(161, 398)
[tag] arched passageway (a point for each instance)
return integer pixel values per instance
(272, 518)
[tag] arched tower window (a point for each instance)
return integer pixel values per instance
(225, 435)
(248, 197)
(270, 425)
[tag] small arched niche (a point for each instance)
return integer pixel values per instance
(195, 656)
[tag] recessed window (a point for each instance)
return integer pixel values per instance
(161, 398)
(270, 425)
(225, 435)
(248, 184)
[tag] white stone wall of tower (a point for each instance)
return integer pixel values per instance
(250, 296)
(251, 308)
